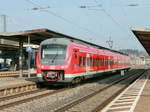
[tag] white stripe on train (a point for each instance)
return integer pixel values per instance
(90, 73)
(86, 74)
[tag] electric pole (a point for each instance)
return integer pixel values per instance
(3, 23)
(110, 43)
(2, 26)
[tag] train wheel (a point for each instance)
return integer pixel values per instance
(76, 80)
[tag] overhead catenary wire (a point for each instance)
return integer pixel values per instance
(88, 15)
(111, 17)
(62, 18)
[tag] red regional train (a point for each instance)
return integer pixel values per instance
(63, 60)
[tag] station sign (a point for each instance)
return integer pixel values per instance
(29, 49)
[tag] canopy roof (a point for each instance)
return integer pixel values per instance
(143, 35)
(38, 35)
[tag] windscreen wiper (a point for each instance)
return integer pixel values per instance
(55, 56)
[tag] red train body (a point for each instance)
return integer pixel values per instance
(62, 60)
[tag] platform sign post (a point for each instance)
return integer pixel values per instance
(29, 50)
(21, 57)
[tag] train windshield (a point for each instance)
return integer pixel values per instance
(53, 54)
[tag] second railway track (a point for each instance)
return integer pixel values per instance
(86, 102)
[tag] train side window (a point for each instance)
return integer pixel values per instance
(94, 61)
(84, 61)
(106, 62)
(80, 61)
(97, 62)
(110, 62)
(88, 61)
(91, 61)
(101, 62)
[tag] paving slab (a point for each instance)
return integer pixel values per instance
(135, 98)
(143, 104)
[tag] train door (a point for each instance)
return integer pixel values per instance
(88, 63)
(108, 62)
(75, 61)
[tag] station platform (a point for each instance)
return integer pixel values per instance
(135, 98)
(143, 105)
(11, 86)
(10, 82)
(11, 78)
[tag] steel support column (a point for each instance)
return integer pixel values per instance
(21, 57)
(29, 58)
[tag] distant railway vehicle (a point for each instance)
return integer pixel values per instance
(63, 60)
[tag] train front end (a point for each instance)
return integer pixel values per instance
(51, 60)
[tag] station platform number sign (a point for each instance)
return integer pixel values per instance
(29, 49)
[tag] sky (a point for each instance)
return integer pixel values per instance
(97, 21)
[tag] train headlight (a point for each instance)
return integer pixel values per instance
(51, 75)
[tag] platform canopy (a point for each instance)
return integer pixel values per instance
(143, 35)
(36, 36)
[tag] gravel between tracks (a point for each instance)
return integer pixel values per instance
(95, 101)
(47, 104)
(24, 97)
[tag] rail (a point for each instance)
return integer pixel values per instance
(64, 107)
(67, 107)
(17, 88)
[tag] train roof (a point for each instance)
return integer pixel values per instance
(67, 41)
(38, 35)
(99, 47)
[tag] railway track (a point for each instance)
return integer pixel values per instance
(7, 97)
(25, 97)
(132, 80)
(12, 101)
(85, 101)
(4, 98)
(17, 88)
